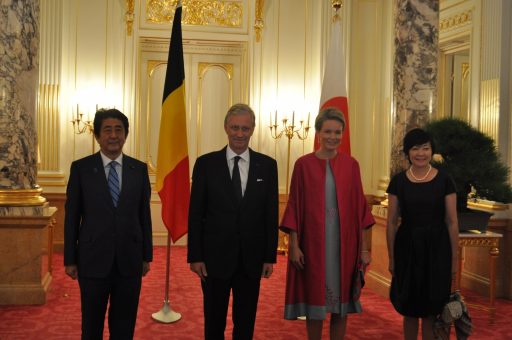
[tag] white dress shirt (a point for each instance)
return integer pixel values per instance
(119, 167)
(243, 165)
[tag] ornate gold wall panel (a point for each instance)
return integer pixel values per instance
(215, 77)
(129, 16)
(258, 20)
(197, 12)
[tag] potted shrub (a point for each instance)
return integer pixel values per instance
(472, 160)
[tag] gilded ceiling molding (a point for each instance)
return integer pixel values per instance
(129, 16)
(197, 12)
(458, 20)
(258, 21)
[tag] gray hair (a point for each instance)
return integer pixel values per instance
(330, 113)
(239, 109)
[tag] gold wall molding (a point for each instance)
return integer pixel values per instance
(490, 108)
(258, 21)
(53, 179)
(48, 126)
(215, 76)
(129, 16)
(197, 12)
(456, 21)
(202, 69)
(152, 65)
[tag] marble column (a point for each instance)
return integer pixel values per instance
(19, 46)
(26, 220)
(414, 71)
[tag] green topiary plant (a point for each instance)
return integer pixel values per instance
(472, 160)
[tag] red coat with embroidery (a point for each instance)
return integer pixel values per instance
(305, 214)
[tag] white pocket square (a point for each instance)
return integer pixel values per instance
(259, 179)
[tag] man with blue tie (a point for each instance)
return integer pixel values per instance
(232, 229)
(107, 230)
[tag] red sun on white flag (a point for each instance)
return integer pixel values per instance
(334, 88)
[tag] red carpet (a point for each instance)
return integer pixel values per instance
(60, 317)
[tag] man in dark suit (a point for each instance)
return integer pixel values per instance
(232, 230)
(107, 231)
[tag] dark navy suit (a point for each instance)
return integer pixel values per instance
(233, 239)
(108, 244)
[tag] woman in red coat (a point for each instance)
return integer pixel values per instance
(325, 217)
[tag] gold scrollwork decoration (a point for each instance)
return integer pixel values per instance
(258, 21)
(197, 12)
(457, 20)
(129, 16)
(337, 3)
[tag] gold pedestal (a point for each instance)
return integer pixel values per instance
(25, 258)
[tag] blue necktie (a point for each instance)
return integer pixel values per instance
(113, 182)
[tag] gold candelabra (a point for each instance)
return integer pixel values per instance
(289, 131)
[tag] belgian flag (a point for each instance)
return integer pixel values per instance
(172, 177)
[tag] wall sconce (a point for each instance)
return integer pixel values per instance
(80, 125)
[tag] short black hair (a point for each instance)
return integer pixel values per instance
(417, 137)
(103, 114)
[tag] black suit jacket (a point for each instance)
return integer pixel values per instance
(95, 232)
(221, 232)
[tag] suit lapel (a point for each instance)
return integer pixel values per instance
(252, 176)
(127, 179)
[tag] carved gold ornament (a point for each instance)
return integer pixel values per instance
(258, 21)
(129, 16)
(337, 3)
(458, 20)
(197, 12)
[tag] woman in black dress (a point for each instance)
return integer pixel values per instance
(423, 249)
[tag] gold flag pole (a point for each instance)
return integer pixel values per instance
(166, 314)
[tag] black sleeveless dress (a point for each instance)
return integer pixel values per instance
(422, 273)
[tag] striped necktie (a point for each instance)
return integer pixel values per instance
(113, 183)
